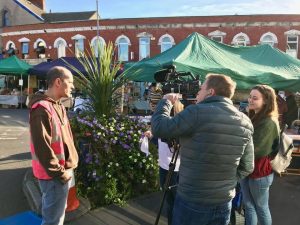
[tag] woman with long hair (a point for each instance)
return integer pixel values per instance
(263, 113)
(165, 154)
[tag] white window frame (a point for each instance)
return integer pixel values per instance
(292, 34)
(217, 34)
(237, 42)
(22, 41)
(292, 52)
(94, 44)
(78, 40)
(8, 45)
(148, 37)
(163, 43)
(61, 45)
(120, 49)
(266, 35)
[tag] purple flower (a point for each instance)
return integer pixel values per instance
(125, 146)
(88, 158)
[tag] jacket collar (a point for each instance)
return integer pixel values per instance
(217, 99)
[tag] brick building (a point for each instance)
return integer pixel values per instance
(64, 34)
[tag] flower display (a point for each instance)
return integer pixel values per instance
(112, 169)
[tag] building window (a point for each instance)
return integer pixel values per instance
(61, 49)
(5, 18)
(217, 38)
(10, 48)
(144, 43)
(25, 49)
(61, 45)
(123, 49)
(98, 41)
(40, 48)
(78, 44)
(292, 42)
(292, 46)
(166, 42)
(79, 47)
(241, 39)
(268, 38)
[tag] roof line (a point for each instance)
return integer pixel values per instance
(28, 10)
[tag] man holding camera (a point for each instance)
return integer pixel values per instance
(216, 151)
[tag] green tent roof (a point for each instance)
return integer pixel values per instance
(13, 66)
(248, 66)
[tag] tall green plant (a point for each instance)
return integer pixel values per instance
(100, 83)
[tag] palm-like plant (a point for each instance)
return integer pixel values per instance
(100, 82)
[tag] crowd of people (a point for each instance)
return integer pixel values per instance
(219, 147)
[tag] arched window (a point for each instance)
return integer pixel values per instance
(40, 48)
(10, 48)
(217, 36)
(166, 41)
(5, 18)
(269, 38)
(96, 43)
(61, 45)
(79, 44)
(123, 43)
(241, 39)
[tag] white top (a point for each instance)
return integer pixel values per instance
(165, 156)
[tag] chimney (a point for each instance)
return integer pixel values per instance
(39, 3)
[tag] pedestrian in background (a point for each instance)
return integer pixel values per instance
(216, 151)
(54, 155)
(155, 94)
(255, 188)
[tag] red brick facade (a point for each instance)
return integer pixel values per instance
(178, 27)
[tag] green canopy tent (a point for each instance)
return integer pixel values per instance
(248, 66)
(14, 66)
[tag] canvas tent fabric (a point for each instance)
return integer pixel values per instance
(42, 69)
(248, 66)
(14, 66)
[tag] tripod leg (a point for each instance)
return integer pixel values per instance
(167, 182)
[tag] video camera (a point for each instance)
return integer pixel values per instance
(176, 82)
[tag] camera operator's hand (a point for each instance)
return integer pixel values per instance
(172, 97)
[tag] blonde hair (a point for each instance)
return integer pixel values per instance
(177, 107)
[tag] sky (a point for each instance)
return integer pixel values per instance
(163, 8)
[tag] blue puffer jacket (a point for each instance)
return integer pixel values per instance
(216, 147)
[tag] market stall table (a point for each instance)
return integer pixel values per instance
(294, 168)
(9, 100)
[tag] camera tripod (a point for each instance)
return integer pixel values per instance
(175, 144)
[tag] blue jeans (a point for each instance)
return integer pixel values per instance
(171, 194)
(187, 213)
(54, 201)
(256, 200)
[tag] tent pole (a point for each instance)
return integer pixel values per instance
(28, 88)
(21, 90)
